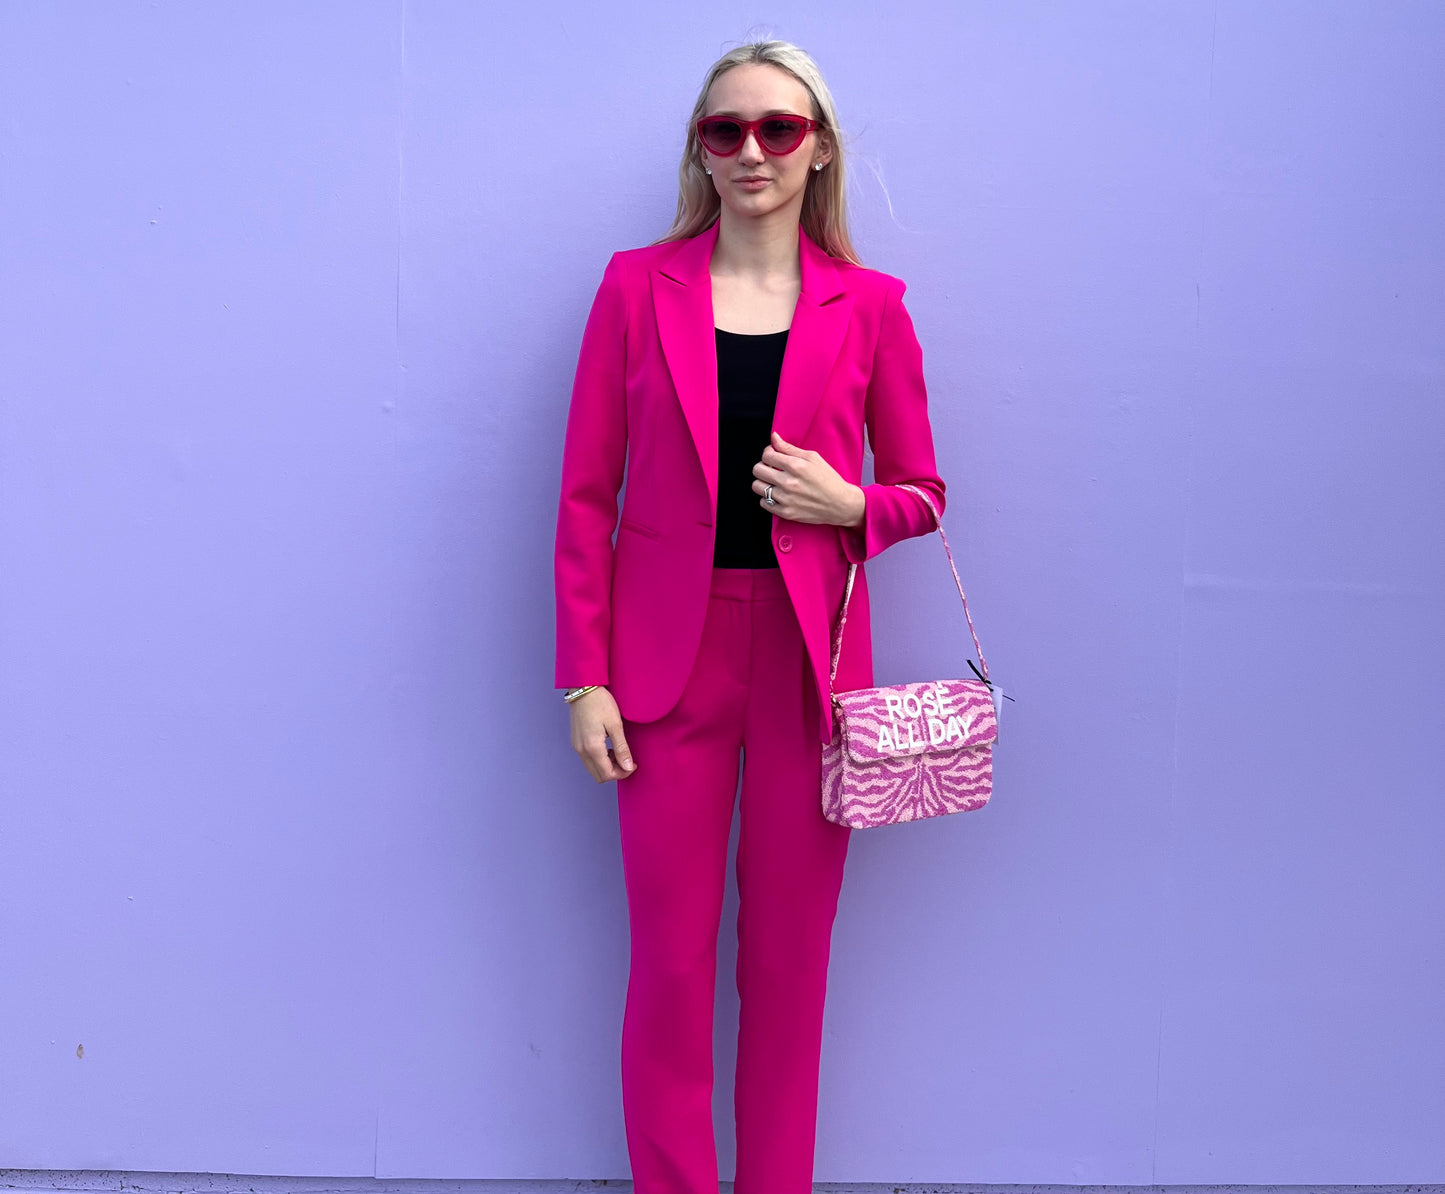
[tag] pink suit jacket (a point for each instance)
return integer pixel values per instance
(630, 616)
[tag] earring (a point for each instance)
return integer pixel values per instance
(817, 165)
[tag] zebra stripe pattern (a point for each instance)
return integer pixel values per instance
(909, 751)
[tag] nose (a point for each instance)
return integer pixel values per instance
(756, 153)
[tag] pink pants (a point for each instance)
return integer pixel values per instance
(750, 687)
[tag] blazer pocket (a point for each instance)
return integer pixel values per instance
(631, 524)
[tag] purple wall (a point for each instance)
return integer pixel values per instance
(298, 872)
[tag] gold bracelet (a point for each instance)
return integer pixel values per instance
(573, 693)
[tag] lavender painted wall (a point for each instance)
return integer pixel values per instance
(298, 873)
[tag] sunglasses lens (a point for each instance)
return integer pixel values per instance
(780, 134)
(721, 136)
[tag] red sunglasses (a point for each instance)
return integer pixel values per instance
(778, 134)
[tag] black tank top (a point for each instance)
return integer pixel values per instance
(748, 369)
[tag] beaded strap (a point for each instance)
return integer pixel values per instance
(848, 593)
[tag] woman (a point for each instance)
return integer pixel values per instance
(732, 367)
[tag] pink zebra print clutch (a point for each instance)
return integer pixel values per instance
(908, 751)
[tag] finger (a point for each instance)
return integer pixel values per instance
(595, 757)
(769, 473)
(792, 451)
(799, 464)
(782, 500)
(797, 455)
(781, 497)
(620, 749)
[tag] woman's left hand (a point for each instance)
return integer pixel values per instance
(806, 488)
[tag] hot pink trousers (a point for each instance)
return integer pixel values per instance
(750, 688)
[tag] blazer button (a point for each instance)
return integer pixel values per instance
(785, 543)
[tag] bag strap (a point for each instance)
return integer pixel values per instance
(848, 593)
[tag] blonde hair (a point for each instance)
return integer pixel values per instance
(824, 214)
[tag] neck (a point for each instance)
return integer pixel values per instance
(756, 247)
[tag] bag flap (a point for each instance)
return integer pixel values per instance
(927, 717)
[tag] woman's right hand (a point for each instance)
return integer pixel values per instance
(595, 717)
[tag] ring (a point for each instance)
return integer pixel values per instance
(768, 496)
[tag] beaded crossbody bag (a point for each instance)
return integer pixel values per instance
(903, 752)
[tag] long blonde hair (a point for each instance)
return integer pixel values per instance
(824, 215)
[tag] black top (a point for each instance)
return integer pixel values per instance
(748, 369)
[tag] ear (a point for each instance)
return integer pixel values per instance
(825, 147)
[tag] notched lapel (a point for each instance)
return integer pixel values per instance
(682, 299)
(820, 321)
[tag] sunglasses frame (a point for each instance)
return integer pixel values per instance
(753, 126)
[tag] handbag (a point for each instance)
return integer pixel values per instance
(903, 752)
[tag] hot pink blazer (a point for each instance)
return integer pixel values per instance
(630, 616)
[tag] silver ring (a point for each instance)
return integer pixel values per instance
(768, 496)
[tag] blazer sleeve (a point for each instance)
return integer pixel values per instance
(895, 414)
(594, 452)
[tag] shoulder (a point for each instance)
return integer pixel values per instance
(637, 261)
(877, 294)
(626, 270)
(873, 286)
(649, 254)
(865, 276)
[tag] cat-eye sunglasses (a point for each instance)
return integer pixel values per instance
(777, 134)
